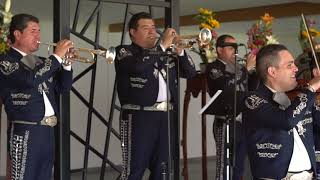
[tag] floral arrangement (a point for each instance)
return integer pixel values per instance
(303, 36)
(260, 34)
(4, 26)
(207, 19)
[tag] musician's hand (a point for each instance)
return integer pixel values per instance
(316, 72)
(63, 47)
(314, 83)
(168, 36)
(251, 62)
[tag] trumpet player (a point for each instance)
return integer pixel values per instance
(142, 83)
(28, 87)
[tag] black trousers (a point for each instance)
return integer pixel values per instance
(144, 143)
(31, 152)
(220, 136)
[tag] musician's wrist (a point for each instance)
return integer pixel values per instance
(310, 88)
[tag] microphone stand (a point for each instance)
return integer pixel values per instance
(167, 168)
(232, 119)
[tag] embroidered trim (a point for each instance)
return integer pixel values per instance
(19, 103)
(137, 85)
(18, 153)
(7, 67)
(137, 79)
(24, 154)
(301, 130)
(267, 155)
(125, 132)
(20, 95)
(215, 73)
(303, 99)
(46, 68)
(50, 80)
(123, 53)
(253, 101)
(269, 146)
(43, 88)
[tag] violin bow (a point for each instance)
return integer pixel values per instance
(310, 41)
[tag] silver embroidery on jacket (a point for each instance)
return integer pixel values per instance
(7, 67)
(123, 53)
(215, 73)
(267, 155)
(268, 146)
(253, 101)
(20, 95)
(50, 79)
(301, 130)
(43, 88)
(303, 99)
(46, 68)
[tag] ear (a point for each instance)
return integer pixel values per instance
(271, 71)
(132, 31)
(219, 49)
(17, 34)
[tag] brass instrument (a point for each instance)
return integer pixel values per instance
(109, 54)
(204, 37)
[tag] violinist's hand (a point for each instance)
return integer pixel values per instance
(315, 82)
(251, 62)
(316, 72)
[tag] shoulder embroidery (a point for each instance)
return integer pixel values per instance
(253, 101)
(215, 73)
(123, 53)
(46, 68)
(7, 67)
(303, 103)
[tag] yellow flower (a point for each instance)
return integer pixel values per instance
(205, 25)
(313, 32)
(205, 12)
(267, 18)
(206, 19)
(214, 23)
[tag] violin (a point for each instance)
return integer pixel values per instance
(302, 83)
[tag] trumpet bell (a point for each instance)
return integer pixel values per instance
(109, 54)
(205, 36)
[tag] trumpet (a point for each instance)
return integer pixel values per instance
(204, 37)
(109, 55)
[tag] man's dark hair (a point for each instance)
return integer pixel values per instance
(133, 23)
(268, 56)
(221, 40)
(20, 22)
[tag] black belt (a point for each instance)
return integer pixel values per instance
(46, 121)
